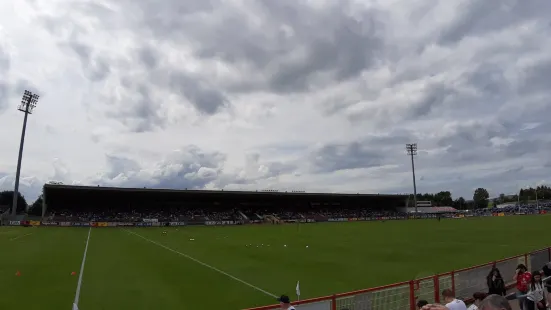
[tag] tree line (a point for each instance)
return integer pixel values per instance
(481, 198)
(6, 199)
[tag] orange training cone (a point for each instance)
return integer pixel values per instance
(18, 274)
(73, 273)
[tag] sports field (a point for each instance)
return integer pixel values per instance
(238, 267)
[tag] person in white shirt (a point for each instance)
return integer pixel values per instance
(535, 299)
(478, 298)
(492, 302)
(452, 303)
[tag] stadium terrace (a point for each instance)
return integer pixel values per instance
(63, 203)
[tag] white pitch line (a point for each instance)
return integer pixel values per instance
(79, 283)
(204, 264)
(15, 238)
(475, 243)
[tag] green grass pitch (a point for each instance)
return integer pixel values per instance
(125, 271)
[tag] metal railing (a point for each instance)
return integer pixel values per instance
(404, 295)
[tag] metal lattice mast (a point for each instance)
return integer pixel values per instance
(411, 149)
(28, 103)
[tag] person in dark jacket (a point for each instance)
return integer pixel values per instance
(495, 282)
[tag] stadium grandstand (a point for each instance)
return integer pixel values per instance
(108, 204)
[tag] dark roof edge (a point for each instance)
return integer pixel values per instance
(230, 192)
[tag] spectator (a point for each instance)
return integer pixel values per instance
(522, 278)
(495, 302)
(546, 271)
(535, 299)
(285, 303)
(421, 303)
(495, 282)
(492, 302)
(452, 303)
(478, 298)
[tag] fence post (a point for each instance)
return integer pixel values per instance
(453, 282)
(436, 282)
(412, 305)
(333, 302)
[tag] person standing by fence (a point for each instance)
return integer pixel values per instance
(522, 278)
(535, 299)
(496, 285)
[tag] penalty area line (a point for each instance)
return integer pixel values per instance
(81, 273)
(203, 264)
(18, 237)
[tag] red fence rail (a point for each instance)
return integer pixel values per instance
(404, 295)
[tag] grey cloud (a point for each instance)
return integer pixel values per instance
(205, 98)
(520, 148)
(95, 67)
(289, 47)
(189, 167)
(279, 168)
(139, 111)
(4, 91)
(478, 18)
(117, 165)
(148, 56)
(536, 79)
(5, 61)
(436, 96)
(335, 157)
(4, 84)
(367, 152)
(489, 79)
(329, 39)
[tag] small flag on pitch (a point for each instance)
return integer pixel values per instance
(298, 288)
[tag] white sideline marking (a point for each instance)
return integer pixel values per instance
(79, 283)
(475, 243)
(204, 264)
(15, 238)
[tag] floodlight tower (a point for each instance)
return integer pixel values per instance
(28, 103)
(411, 149)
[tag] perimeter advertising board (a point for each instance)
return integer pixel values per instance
(210, 223)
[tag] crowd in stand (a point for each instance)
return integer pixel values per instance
(198, 214)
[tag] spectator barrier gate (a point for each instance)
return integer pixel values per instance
(404, 295)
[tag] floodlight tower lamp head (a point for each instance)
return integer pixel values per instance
(411, 148)
(28, 102)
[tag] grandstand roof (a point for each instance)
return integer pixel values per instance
(55, 188)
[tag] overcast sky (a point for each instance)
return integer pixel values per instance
(278, 94)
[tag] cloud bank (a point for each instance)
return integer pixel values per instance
(289, 95)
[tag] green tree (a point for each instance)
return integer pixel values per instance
(443, 198)
(460, 204)
(36, 207)
(6, 199)
(480, 198)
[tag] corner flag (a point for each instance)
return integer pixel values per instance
(298, 289)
